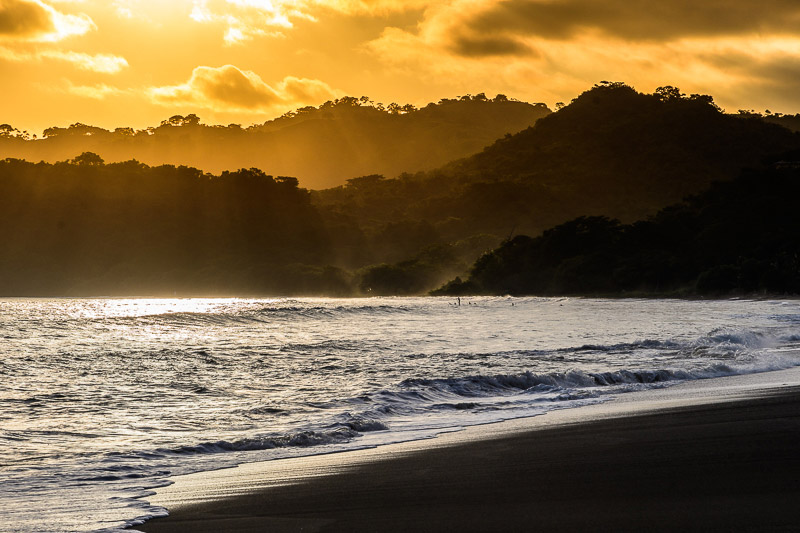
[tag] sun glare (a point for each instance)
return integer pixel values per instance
(139, 307)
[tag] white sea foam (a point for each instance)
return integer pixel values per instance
(102, 400)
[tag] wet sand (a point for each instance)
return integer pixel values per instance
(717, 455)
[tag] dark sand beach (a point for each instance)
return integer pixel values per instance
(705, 458)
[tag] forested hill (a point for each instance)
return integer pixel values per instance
(613, 152)
(739, 237)
(321, 146)
(626, 154)
(82, 228)
(86, 227)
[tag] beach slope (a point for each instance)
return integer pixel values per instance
(724, 458)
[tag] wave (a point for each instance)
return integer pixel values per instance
(433, 403)
(623, 347)
(495, 392)
(717, 339)
(264, 314)
(479, 386)
(724, 337)
(720, 338)
(792, 318)
(722, 342)
(337, 433)
(505, 384)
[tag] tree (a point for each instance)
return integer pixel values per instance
(7, 130)
(53, 132)
(348, 101)
(84, 129)
(365, 181)
(288, 181)
(706, 99)
(88, 158)
(610, 84)
(174, 120)
(668, 93)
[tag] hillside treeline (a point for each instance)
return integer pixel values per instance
(83, 226)
(322, 146)
(611, 152)
(739, 237)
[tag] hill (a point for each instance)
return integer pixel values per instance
(321, 146)
(739, 237)
(611, 152)
(82, 228)
(86, 227)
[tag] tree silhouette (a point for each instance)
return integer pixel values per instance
(668, 93)
(88, 159)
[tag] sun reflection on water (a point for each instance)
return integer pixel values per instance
(139, 307)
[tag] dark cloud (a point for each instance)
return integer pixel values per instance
(482, 46)
(774, 77)
(779, 83)
(24, 19)
(638, 20)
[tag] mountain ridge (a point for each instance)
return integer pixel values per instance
(321, 146)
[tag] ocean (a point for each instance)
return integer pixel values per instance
(101, 400)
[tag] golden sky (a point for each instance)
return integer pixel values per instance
(114, 63)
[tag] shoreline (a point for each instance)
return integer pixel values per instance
(705, 454)
(249, 296)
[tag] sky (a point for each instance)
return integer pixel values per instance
(133, 63)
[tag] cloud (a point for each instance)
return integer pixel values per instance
(29, 30)
(767, 70)
(125, 9)
(477, 28)
(641, 20)
(33, 20)
(491, 45)
(102, 63)
(98, 91)
(553, 49)
(247, 19)
(95, 92)
(24, 19)
(371, 7)
(229, 89)
(449, 29)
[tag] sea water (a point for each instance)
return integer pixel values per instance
(102, 399)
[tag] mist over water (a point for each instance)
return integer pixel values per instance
(103, 399)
